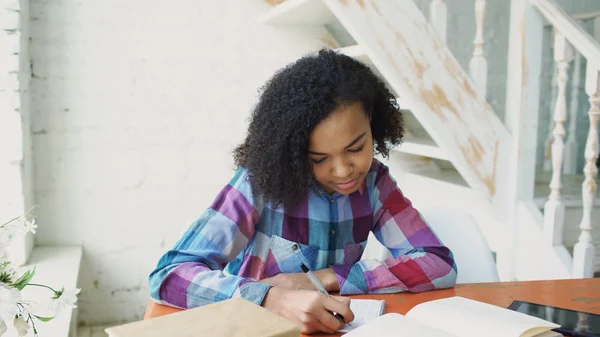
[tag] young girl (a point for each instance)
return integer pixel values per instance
(308, 191)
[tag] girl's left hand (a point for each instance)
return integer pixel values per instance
(300, 281)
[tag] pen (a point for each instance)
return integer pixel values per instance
(319, 286)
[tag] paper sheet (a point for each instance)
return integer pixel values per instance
(466, 317)
(394, 325)
(364, 312)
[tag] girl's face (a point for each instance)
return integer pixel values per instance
(341, 149)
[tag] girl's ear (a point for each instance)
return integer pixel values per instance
(311, 170)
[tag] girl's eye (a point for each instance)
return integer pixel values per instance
(358, 149)
(318, 161)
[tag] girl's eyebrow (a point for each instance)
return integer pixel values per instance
(355, 141)
(347, 146)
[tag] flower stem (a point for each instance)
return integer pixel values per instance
(33, 325)
(9, 221)
(41, 285)
(26, 213)
(31, 209)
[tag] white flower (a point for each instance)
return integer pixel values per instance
(3, 328)
(18, 226)
(39, 308)
(21, 325)
(30, 226)
(65, 299)
(9, 297)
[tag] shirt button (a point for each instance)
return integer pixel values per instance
(333, 232)
(295, 247)
(331, 201)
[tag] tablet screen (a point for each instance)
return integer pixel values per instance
(581, 324)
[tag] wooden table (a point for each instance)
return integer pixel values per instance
(575, 294)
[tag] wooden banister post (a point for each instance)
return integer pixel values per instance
(554, 209)
(478, 64)
(584, 251)
(571, 145)
(438, 15)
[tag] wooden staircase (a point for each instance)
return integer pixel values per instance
(422, 72)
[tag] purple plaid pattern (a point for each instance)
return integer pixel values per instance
(240, 240)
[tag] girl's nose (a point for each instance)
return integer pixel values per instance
(342, 169)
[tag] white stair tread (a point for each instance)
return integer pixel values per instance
(449, 176)
(422, 146)
(571, 190)
(299, 12)
(56, 266)
(355, 51)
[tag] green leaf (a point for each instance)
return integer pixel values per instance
(5, 277)
(24, 279)
(44, 319)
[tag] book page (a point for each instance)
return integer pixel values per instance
(395, 325)
(364, 312)
(467, 318)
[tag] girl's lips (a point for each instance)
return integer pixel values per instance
(347, 185)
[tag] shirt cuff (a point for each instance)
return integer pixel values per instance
(252, 291)
(351, 279)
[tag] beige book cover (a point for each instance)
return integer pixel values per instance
(234, 317)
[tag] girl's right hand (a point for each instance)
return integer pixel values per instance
(311, 310)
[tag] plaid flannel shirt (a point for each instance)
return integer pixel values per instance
(240, 239)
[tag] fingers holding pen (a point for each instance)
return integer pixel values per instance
(312, 311)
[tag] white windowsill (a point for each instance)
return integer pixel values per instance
(56, 266)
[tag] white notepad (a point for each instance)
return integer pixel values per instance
(364, 312)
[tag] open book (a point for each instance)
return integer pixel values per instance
(457, 317)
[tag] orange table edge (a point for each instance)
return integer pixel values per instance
(574, 294)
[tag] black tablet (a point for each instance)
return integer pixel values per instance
(572, 323)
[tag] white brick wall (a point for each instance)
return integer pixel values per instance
(11, 195)
(136, 107)
(15, 138)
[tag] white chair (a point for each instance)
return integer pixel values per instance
(458, 231)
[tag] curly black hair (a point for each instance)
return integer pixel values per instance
(292, 103)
